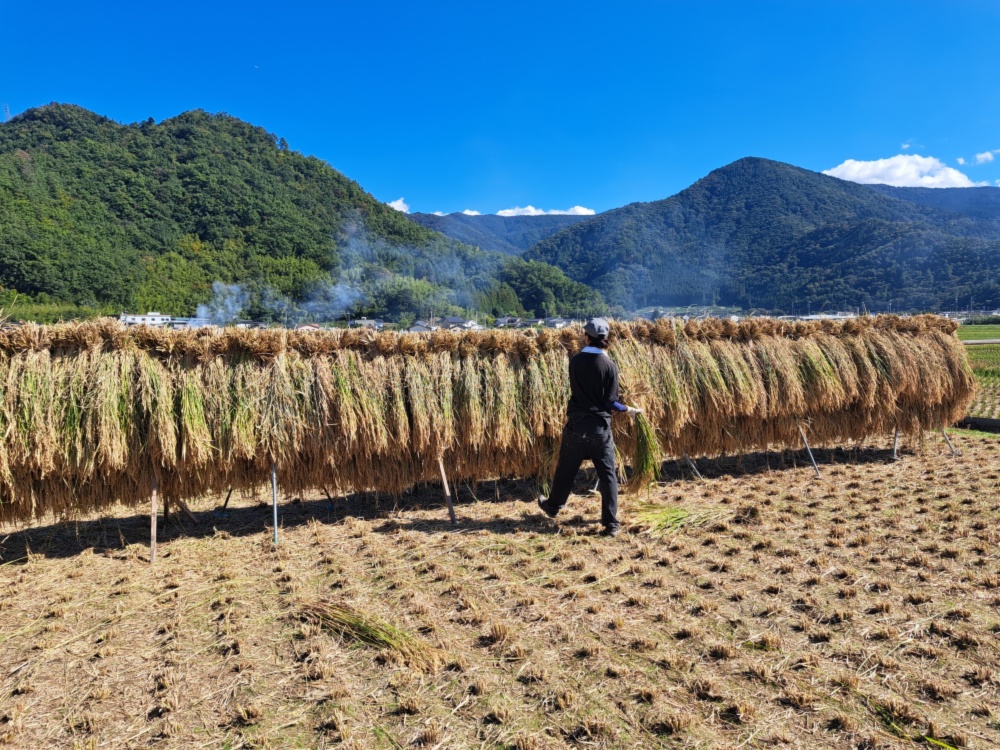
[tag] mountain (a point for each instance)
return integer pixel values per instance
(166, 216)
(760, 233)
(982, 203)
(503, 234)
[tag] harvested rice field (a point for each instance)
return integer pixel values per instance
(985, 361)
(760, 607)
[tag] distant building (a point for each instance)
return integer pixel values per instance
(508, 321)
(366, 323)
(249, 324)
(531, 322)
(828, 316)
(149, 319)
(308, 327)
(180, 324)
(453, 323)
(557, 322)
(421, 326)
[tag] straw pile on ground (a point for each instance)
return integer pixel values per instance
(92, 412)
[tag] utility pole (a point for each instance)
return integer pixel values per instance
(6, 112)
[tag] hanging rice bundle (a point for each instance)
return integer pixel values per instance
(91, 413)
(647, 458)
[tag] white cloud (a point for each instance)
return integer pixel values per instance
(984, 157)
(439, 213)
(470, 212)
(400, 205)
(532, 211)
(902, 171)
(960, 160)
(904, 146)
(997, 182)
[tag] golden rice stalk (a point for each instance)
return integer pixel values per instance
(89, 411)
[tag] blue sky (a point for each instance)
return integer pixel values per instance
(488, 106)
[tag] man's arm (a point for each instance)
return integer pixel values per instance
(613, 403)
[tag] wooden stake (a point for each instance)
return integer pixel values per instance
(152, 524)
(693, 468)
(948, 441)
(187, 511)
(274, 499)
(809, 451)
(447, 492)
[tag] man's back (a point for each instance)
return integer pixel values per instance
(593, 381)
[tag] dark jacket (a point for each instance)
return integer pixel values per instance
(593, 382)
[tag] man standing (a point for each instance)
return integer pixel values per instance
(593, 380)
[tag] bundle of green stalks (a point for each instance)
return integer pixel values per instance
(354, 625)
(660, 520)
(92, 412)
(647, 458)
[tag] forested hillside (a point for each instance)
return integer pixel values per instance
(145, 216)
(505, 234)
(982, 203)
(760, 233)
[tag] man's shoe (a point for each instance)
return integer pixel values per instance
(541, 504)
(610, 531)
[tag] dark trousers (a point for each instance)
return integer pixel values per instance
(587, 437)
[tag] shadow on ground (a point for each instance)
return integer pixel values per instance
(115, 533)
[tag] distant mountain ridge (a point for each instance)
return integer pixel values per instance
(975, 202)
(155, 216)
(503, 234)
(760, 233)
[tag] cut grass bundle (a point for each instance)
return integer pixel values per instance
(349, 623)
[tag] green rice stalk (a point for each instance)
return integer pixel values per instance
(647, 458)
(370, 630)
(660, 520)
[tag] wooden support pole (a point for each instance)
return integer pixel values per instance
(274, 499)
(693, 468)
(447, 492)
(809, 451)
(948, 441)
(187, 511)
(152, 523)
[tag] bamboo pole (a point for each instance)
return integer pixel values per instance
(274, 499)
(948, 441)
(895, 446)
(693, 468)
(447, 492)
(809, 451)
(187, 511)
(152, 522)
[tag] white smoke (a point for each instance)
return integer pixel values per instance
(227, 303)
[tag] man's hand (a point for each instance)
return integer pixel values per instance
(633, 410)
